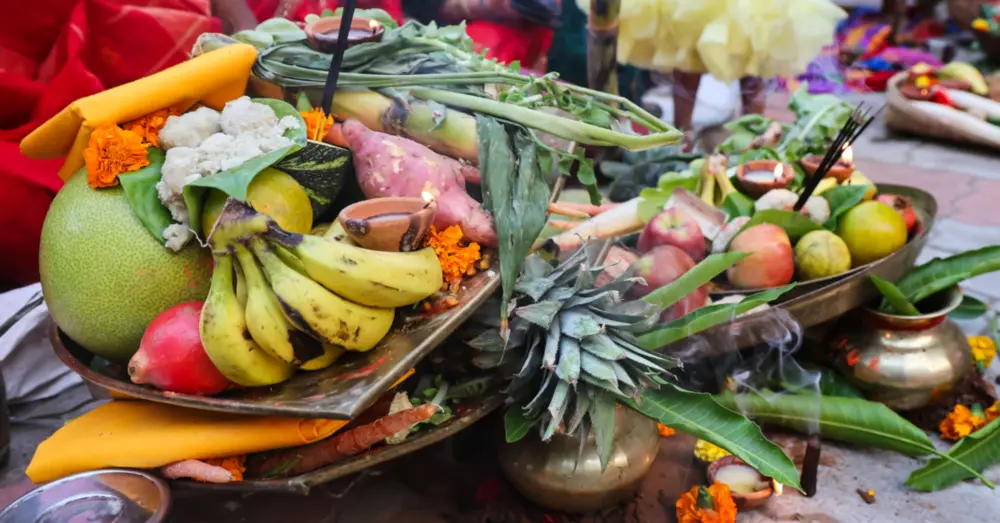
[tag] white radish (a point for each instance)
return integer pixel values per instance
(620, 220)
(973, 102)
(987, 132)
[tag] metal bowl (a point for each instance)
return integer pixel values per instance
(100, 496)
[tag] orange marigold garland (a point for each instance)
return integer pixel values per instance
(235, 465)
(148, 127)
(713, 504)
(110, 152)
(455, 258)
(665, 431)
(317, 124)
(962, 421)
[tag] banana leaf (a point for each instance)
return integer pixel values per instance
(515, 193)
(236, 181)
(942, 273)
(978, 450)
(140, 191)
(707, 317)
(796, 225)
(856, 421)
(689, 282)
(842, 199)
(897, 303)
(700, 415)
(970, 309)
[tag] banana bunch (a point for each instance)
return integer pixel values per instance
(281, 301)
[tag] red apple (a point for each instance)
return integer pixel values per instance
(661, 266)
(673, 227)
(902, 206)
(770, 263)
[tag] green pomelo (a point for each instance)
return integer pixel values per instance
(820, 254)
(104, 276)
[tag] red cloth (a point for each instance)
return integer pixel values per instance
(528, 45)
(53, 52)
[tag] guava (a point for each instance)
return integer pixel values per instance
(820, 254)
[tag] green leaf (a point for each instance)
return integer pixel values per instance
(691, 280)
(236, 181)
(281, 30)
(602, 417)
(796, 225)
(701, 416)
(707, 317)
(568, 368)
(897, 302)
(542, 313)
(653, 200)
(737, 204)
(978, 450)
(942, 273)
(857, 421)
(970, 309)
(516, 424)
(842, 199)
(578, 323)
(140, 191)
(514, 191)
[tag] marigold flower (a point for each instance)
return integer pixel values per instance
(665, 431)
(110, 152)
(983, 350)
(960, 422)
(980, 24)
(922, 82)
(707, 505)
(454, 257)
(148, 127)
(236, 465)
(317, 124)
(708, 452)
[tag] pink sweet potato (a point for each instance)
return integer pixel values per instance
(389, 165)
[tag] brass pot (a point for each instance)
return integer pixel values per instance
(904, 362)
(550, 475)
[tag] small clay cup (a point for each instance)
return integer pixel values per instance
(743, 501)
(839, 171)
(388, 224)
(756, 189)
(322, 33)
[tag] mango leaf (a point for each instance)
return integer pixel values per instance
(970, 309)
(978, 450)
(707, 317)
(842, 199)
(653, 199)
(691, 280)
(700, 415)
(897, 303)
(236, 181)
(737, 204)
(942, 273)
(857, 421)
(516, 424)
(140, 191)
(796, 225)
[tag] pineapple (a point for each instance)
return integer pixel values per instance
(571, 350)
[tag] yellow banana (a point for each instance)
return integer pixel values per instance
(320, 229)
(320, 312)
(266, 321)
(337, 233)
(290, 259)
(825, 185)
(374, 278)
(241, 285)
(331, 353)
(857, 178)
(967, 73)
(227, 342)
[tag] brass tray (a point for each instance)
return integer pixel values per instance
(342, 391)
(827, 303)
(466, 414)
(926, 208)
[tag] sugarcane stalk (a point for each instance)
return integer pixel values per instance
(602, 45)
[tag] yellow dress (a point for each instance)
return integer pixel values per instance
(728, 39)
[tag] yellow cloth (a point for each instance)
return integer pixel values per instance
(729, 39)
(213, 79)
(142, 434)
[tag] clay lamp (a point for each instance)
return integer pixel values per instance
(750, 488)
(322, 33)
(842, 170)
(394, 224)
(757, 177)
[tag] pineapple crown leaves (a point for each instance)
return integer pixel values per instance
(571, 353)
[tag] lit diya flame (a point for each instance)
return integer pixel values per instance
(777, 487)
(428, 196)
(778, 171)
(374, 25)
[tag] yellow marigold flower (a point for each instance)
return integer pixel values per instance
(665, 431)
(959, 423)
(707, 505)
(980, 24)
(983, 350)
(922, 82)
(708, 452)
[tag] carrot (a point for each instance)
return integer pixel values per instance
(307, 458)
(335, 136)
(197, 470)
